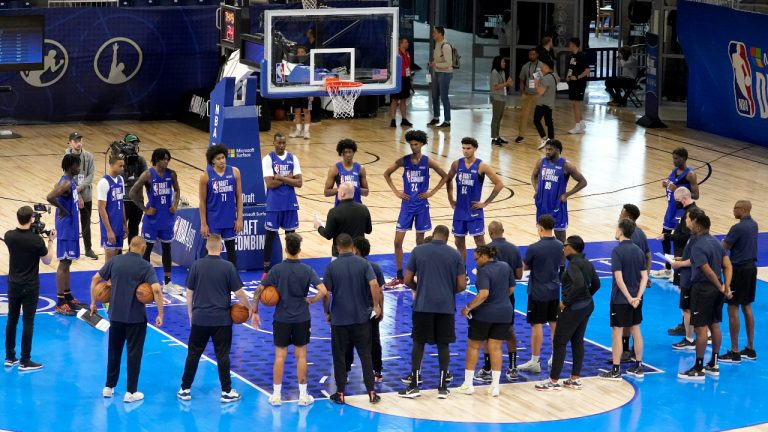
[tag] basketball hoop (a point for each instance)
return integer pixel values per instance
(309, 4)
(343, 95)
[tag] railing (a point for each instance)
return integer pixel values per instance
(82, 3)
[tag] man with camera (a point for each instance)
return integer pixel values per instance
(135, 165)
(26, 249)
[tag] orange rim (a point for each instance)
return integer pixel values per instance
(335, 83)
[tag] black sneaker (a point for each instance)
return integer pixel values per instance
(373, 398)
(448, 377)
(684, 344)
(496, 142)
(483, 376)
(409, 392)
(30, 365)
(443, 392)
(76, 305)
(433, 122)
(519, 139)
(405, 122)
(444, 124)
(679, 330)
(712, 370)
(338, 398)
(748, 354)
(502, 140)
(730, 357)
(91, 254)
(692, 374)
(636, 371)
(64, 309)
(627, 357)
(407, 379)
(611, 375)
(393, 123)
(11, 362)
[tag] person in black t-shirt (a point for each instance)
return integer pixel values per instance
(26, 250)
(578, 71)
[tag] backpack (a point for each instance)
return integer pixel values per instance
(456, 57)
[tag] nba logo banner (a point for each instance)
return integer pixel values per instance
(742, 79)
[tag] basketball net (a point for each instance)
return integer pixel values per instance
(343, 95)
(309, 4)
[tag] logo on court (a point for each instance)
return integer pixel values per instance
(43, 304)
(118, 60)
(55, 65)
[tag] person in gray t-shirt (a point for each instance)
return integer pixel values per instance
(546, 88)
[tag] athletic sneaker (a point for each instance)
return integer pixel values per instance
(712, 370)
(296, 134)
(692, 374)
(377, 377)
(611, 375)
(393, 123)
(627, 357)
(409, 392)
(184, 394)
(29, 365)
(231, 396)
(407, 379)
(548, 386)
(11, 362)
(542, 143)
(275, 400)
(443, 392)
(173, 289)
(405, 122)
(530, 366)
(448, 376)
(338, 398)
(133, 397)
(91, 254)
(433, 122)
(373, 398)
(684, 344)
(579, 128)
(636, 371)
(445, 124)
(512, 374)
(494, 391)
(306, 400)
(466, 389)
(748, 354)
(678, 330)
(502, 140)
(730, 357)
(519, 139)
(108, 392)
(662, 274)
(393, 283)
(549, 363)
(496, 142)
(573, 384)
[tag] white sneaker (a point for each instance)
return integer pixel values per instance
(231, 396)
(575, 129)
(275, 400)
(466, 389)
(173, 289)
(295, 134)
(530, 366)
(494, 391)
(133, 397)
(184, 394)
(542, 143)
(306, 400)
(549, 363)
(108, 392)
(306, 135)
(662, 274)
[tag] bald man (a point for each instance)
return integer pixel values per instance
(348, 217)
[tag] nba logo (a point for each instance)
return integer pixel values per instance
(276, 169)
(215, 187)
(742, 79)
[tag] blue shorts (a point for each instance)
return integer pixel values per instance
(406, 220)
(474, 227)
(288, 220)
(672, 217)
(67, 249)
(118, 244)
(225, 233)
(150, 233)
(560, 214)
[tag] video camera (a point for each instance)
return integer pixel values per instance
(38, 226)
(128, 150)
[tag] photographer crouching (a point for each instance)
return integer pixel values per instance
(26, 248)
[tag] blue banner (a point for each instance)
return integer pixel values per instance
(727, 54)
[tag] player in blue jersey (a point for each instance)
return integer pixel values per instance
(468, 215)
(681, 176)
(346, 170)
(65, 199)
(110, 192)
(414, 204)
(282, 175)
(221, 199)
(163, 194)
(550, 182)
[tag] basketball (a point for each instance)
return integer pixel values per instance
(103, 291)
(239, 313)
(269, 296)
(144, 293)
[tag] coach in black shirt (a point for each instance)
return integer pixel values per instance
(352, 284)
(348, 217)
(211, 280)
(26, 250)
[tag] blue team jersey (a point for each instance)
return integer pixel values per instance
(469, 188)
(221, 201)
(160, 197)
(552, 184)
(351, 176)
(114, 206)
(673, 214)
(68, 227)
(282, 198)
(415, 182)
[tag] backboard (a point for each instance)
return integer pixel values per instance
(353, 44)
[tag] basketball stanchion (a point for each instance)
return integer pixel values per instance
(343, 95)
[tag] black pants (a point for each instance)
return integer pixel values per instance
(119, 334)
(375, 348)
(571, 325)
(543, 111)
(198, 340)
(134, 214)
(85, 224)
(342, 339)
(615, 85)
(21, 299)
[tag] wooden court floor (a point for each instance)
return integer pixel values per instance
(622, 162)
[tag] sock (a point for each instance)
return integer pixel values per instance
(166, 280)
(60, 300)
(306, 127)
(534, 359)
(496, 376)
(298, 127)
(277, 389)
(625, 344)
(443, 374)
(302, 390)
(713, 360)
(487, 362)
(68, 296)
(689, 339)
(699, 363)
(468, 375)
(513, 360)
(615, 368)
(638, 364)
(400, 273)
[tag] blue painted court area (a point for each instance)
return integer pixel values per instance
(66, 394)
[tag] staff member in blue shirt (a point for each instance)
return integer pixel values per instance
(741, 241)
(211, 280)
(490, 315)
(292, 321)
(632, 212)
(127, 316)
(352, 284)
